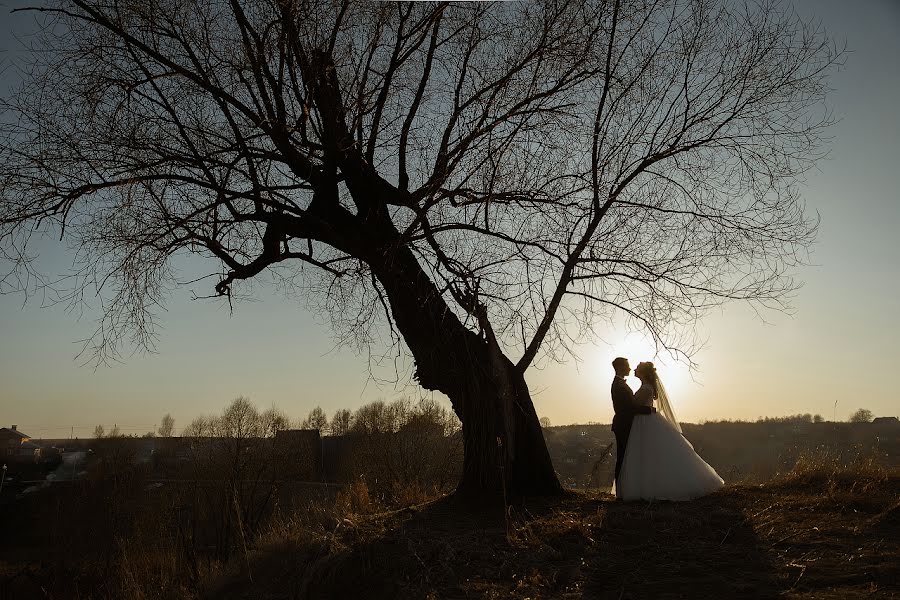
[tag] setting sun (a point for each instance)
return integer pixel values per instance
(332, 292)
(675, 375)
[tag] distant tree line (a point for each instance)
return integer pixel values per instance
(862, 415)
(377, 416)
(798, 418)
(394, 453)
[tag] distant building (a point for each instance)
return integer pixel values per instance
(886, 421)
(16, 446)
(303, 450)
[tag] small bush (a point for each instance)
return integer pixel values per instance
(355, 499)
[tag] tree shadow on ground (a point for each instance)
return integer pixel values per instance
(800, 539)
(702, 549)
(583, 546)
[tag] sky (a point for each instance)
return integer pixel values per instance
(836, 353)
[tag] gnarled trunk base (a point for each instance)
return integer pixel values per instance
(505, 452)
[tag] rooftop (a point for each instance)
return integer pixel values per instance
(12, 431)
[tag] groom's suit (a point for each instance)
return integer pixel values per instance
(623, 405)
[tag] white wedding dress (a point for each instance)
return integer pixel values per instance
(659, 463)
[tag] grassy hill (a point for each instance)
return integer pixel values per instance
(816, 533)
(810, 511)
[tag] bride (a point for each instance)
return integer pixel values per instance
(659, 463)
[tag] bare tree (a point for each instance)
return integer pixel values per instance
(240, 458)
(201, 427)
(315, 420)
(341, 422)
(99, 432)
(167, 426)
(545, 422)
(378, 417)
(493, 181)
(863, 415)
(240, 421)
(273, 420)
(404, 443)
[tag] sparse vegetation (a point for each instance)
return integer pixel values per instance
(141, 525)
(222, 516)
(819, 531)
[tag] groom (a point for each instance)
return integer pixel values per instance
(625, 409)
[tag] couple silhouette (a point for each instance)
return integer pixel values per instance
(654, 461)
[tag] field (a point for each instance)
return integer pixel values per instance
(816, 533)
(809, 519)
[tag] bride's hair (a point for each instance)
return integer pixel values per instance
(648, 371)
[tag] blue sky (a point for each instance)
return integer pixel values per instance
(840, 344)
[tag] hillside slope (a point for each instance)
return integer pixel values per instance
(813, 534)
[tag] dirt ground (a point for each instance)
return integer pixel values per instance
(810, 535)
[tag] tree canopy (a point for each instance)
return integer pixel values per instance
(637, 157)
(492, 180)
(863, 415)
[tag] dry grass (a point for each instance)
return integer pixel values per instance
(821, 531)
(827, 529)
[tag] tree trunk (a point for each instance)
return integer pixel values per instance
(503, 443)
(504, 447)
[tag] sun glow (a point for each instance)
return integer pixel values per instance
(675, 375)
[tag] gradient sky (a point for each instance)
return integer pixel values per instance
(841, 344)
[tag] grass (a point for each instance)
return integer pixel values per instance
(829, 528)
(821, 531)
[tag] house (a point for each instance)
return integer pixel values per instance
(16, 446)
(886, 421)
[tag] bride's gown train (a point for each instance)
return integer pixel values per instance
(660, 464)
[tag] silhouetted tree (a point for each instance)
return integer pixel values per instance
(405, 443)
(201, 427)
(376, 417)
(99, 432)
(273, 420)
(240, 465)
(490, 179)
(863, 415)
(315, 420)
(240, 420)
(545, 422)
(167, 426)
(341, 422)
